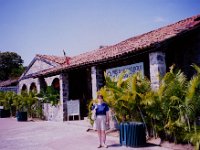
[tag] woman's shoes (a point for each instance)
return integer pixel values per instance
(99, 146)
(104, 145)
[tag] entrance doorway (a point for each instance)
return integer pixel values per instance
(80, 88)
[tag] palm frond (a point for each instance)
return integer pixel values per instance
(193, 84)
(197, 68)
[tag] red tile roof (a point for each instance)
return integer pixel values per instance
(138, 42)
(9, 82)
(57, 59)
(133, 44)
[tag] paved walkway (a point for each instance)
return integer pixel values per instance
(45, 135)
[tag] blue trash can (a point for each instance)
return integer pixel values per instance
(22, 116)
(4, 113)
(132, 134)
(124, 133)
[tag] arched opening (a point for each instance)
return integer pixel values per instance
(56, 84)
(33, 87)
(24, 88)
(43, 84)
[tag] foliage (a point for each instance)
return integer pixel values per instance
(192, 97)
(10, 65)
(90, 104)
(193, 102)
(2, 94)
(194, 137)
(168, 111)
(50, 96)
(6, 100)
(172, 110)
(125, 95)
(29, 102)
(20, 102)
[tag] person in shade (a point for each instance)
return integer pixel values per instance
(101, 123)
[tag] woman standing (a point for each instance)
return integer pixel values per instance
(101, 122)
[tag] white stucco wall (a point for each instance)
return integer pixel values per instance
(49, 80)
(38, 66)
(28, 82)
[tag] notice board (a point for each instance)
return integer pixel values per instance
(73, 108)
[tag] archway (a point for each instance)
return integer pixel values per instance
(33, 87)
(24, 88)
(43, 84)
(56, 84)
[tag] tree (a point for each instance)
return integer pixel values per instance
(10, 65)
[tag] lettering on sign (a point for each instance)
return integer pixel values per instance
(131, 69)
(73, 107)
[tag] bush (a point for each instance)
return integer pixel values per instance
(168, 111)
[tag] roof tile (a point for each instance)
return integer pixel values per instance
(133, 44)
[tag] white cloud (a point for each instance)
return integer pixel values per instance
(159, 19)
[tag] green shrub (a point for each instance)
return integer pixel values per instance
(168, 111)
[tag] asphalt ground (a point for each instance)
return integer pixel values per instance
(46, 135)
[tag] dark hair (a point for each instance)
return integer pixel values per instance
(100, 96)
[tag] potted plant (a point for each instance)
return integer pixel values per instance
(6, 99)
(50, 96)
(50, 99)
(21, 107)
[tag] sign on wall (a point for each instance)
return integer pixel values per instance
(73, 108)
(10, 88)
(131, 69)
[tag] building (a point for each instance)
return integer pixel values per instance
(9, 85)
(80, 77)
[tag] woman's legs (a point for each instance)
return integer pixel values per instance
(100, 137)
(103, 136)
(100, 125)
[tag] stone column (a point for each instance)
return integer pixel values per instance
(38, 86)
(97, 80)
(64, 93)
(157, 68)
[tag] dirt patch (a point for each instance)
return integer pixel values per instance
(177, 146)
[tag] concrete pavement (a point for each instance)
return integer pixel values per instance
(45, 135)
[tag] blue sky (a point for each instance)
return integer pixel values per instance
(30, 27)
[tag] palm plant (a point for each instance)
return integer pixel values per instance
(152, 105)
(168, 108)
(2, 95)
(125, 95)
(192, 95)
(7, 99)
(169, 111)
(30, 102)
(194, 137)
(49, 96)
(193, 102)
(20, 102)
(89, 105)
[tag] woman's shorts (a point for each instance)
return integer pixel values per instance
(100, 123)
